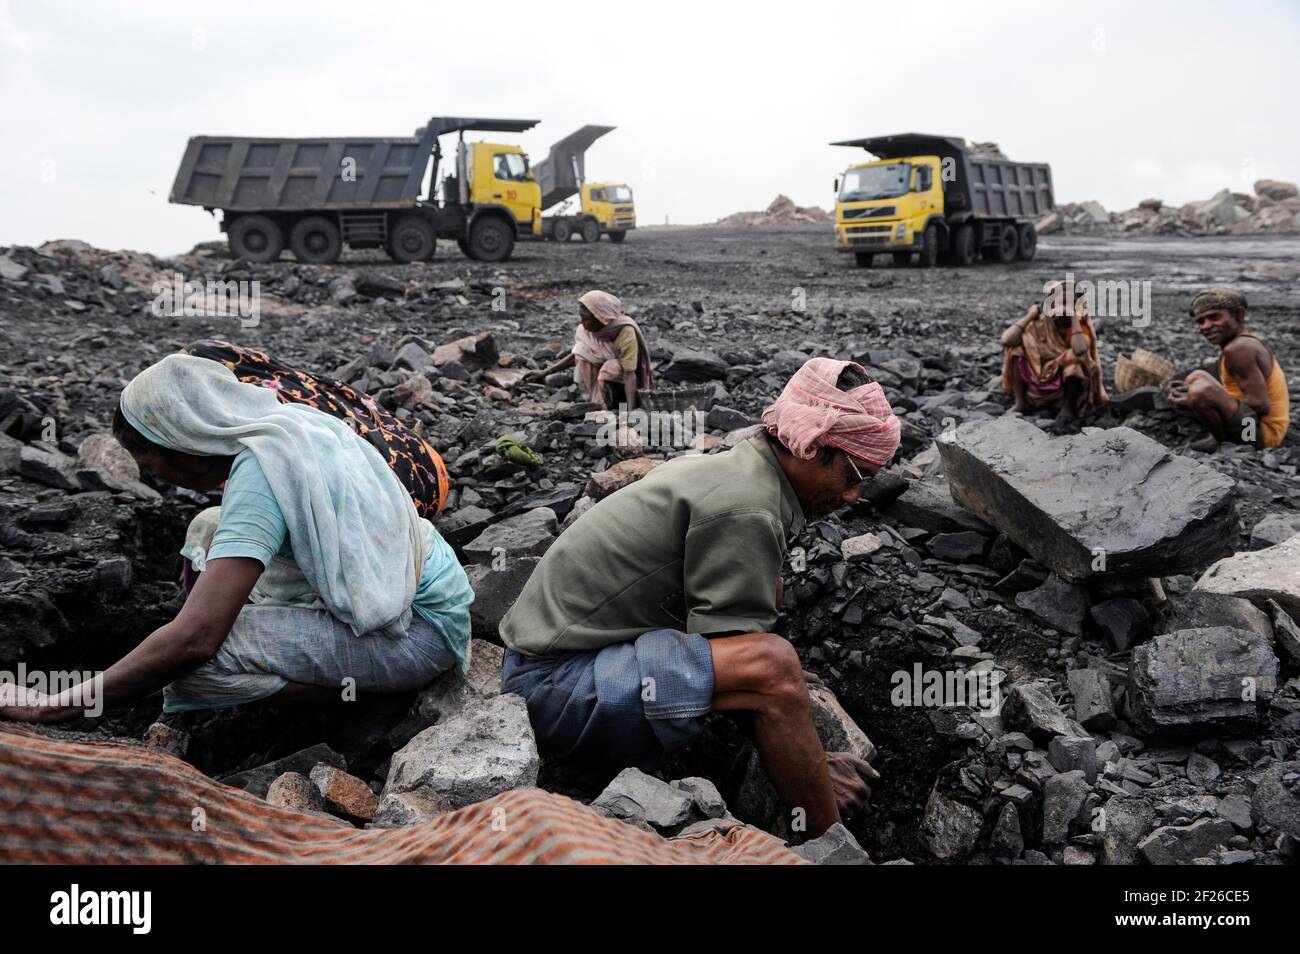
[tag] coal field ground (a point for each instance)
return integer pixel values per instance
(751, 296)
(789, 284)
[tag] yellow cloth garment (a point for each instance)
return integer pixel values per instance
(1278, 420)
(625, 347)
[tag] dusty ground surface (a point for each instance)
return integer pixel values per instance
(750, 296)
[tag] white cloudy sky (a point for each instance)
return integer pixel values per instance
(719, 106)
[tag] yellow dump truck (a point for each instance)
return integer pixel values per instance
(605, 208)
(318, 195)
(933, 197)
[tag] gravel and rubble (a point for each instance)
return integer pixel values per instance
(1088, 742)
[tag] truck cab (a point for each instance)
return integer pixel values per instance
(885, 206)
(500, 177)
(611, 205)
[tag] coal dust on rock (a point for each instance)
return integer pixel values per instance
(88, 550)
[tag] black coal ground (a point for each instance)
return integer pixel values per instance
(758, 299)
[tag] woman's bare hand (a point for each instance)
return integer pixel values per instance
(21, 704)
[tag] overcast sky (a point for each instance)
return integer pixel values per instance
(719, 106)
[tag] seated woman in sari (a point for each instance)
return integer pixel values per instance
(1050, 360)
(319, 579)
(609, 357)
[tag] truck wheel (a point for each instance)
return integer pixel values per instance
(617, 236)
(315, 239)
(863, 259)
(1008, 244)
(929, 247)
(411, 239)
(1028, 242)
(491, 240)
(902, 259)
(963, 246)
(562, 231)
(590, 231)
(256, 238)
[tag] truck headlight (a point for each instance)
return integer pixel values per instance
(902, 230)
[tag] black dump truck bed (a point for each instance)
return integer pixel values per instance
(283, 175)
(981, 185)
(564, 169)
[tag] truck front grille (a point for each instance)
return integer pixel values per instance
(881, 211)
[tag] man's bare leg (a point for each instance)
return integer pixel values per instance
(761, 673)
(1213, 406)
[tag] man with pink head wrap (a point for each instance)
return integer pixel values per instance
(812, 412)
(657, 606)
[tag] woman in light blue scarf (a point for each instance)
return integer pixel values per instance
(318, 577)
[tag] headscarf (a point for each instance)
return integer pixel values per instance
(1216, 299)
(812, 412)
(604, 306)
(354, 531)
(596, 349)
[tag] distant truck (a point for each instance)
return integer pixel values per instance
(319, 195)
(935, 197)
(605, 208)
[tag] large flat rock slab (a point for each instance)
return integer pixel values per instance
(1070, 501)
(1269, 574)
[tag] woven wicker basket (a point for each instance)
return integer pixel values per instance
(1129, 376)
(1144, 369)
(698, 396)
(1154, 364)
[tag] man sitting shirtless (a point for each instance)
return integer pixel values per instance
(1248, 403)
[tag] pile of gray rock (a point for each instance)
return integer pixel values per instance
(1274, 209)
(780, 211)
(461, 742)
(1168, 735)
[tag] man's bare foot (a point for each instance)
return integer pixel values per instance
(850, 776)
(1206, 445)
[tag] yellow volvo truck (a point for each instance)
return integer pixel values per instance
(605, 208)
(318, 195)
(932, 197)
